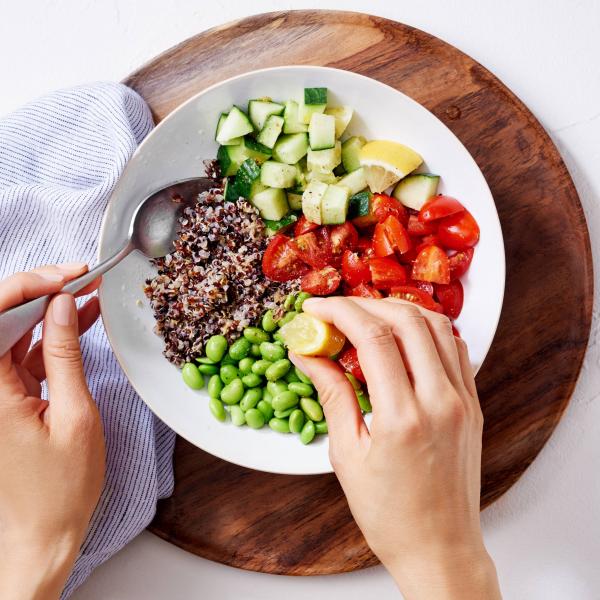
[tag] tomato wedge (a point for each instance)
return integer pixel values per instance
(439, 207)
(363, 290)
(459, 232)
(311, 250)
(432, 265)
(418, 228)
(451, 298)
(460, 263)
(386, 272)
(382, 206)
(397, 234)
(365, 247)
(349, 362)
(343, 237)
(303, 225)
(280, 262)
(321, 282)
(424, 286)
(415, 295)
(355, 270)
(381, 243)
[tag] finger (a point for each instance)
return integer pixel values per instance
(20, 287)
(32, 385)
(347, 428)
(468, 375)
(87, 316)
(378, 352)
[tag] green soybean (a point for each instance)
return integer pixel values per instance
(250, 399)
(312, 408)
(228, 373)
(278, 369)
(307, 435)
(302, 296)
(279, 425)
(272, 352)
(216, 347)
(276, 387)
(245, 365)
(291, 376)
(227, 360)
(321, 427)
(217, 409)
(287, 318)
(267, 396)
(192, 377)
(285, 400)
(240, 349)
(237, 415)
(254, 418)
(355, 382)
(268, 321)
(289, 301)
(364, 402)
(283, 414)
(260, 366)
(255, 350)
(302, 389)
(278, 339)
(296, 421)
(215, 385)
(266, 409)
(302, 376)
(233, 392)
(204, 360)
(251, 380)
(255, 335)
(208, 369)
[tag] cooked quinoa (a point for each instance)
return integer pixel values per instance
(213, 281)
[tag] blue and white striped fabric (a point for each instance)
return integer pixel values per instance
(60, 158)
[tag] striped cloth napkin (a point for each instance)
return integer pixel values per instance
(60, 158)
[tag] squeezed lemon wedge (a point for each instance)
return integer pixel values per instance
(310, 336)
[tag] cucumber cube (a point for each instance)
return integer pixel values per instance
(311, 200)
(260, 110)
(306, 111)
(321, 132)
(414, 190)
(230, 158)
(342, 116)
(235, 141)
(325, 176)
(278, 175)
(290, 148)
(351, 151)
(355, 181)
(271, 203)
(259, 152)
(291, 118)
(315, 95)
(247, 179)
(236, 124)
(270, 132)
(334, 205)
(360, 204)
(294, 199)
(324, 161)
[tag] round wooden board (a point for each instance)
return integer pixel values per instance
(302, 525)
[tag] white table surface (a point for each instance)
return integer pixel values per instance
(544, 534)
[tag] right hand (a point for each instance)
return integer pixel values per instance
(412, 478)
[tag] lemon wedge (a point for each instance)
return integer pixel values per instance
(386, 162)
(310, 336)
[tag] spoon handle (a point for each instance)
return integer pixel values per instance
(17, 321)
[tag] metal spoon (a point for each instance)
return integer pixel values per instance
(153, 228)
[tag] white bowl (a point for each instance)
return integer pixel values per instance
(176, 149)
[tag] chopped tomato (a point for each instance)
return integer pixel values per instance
(397, 234)
(382, 206)
(439, 207)
(460, 262)
(386, 272)
(408, 257)
(311, 250)
(363, 290)
(280, 262)
(303, 225)
(424, 286)
(459, 232)
(432, 265)
(321, 282)
(451, 298)
(428, 240)
(355, 270)
(414, 295)
(349, 362)
(343, 237)
(418, 228)
(381, 243)
(365, 247)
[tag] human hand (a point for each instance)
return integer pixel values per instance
(51, 454)
(412, 478)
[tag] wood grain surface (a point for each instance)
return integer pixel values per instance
(301, 525)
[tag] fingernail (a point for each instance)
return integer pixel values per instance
(51, 276)
(70, 267)
(63, 310)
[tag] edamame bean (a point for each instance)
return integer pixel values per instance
(276, 387)
(267, 396)
(302, 296)
(321, 427)
(307, 435)
(228, 373)
(237, 415)
(208, 369)
(312, 408)
(278, 339)
(245, 365)
(215, 385)
(302, 376)
(227, 360)
(291, 376)
(289, 301)
(255, 350)
(239, 349)
(283, 414)
(204, 360)
(254, 418)
(302, 389)
(268, 321)
(272, 352)
(251, 380)
(251, 399)
(260, 366)
(255, 335)
(296, 421)
(217, 409)
(266, 409)
(192, 377)
(233, 392)
(355, 382)
(287, 318)
(285, 400)
(278, 369)
(279, 425)
(216, 347)
(364, 402)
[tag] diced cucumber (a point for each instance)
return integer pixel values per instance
(414, 190)
(235, 141)
(315, 95)
(291, 118)
(271, 203)
(270, 132)
(294, 199)
(355, 181)
(278, 175)
(288, 220)
(260, 110)
(311, 200)
(306, 111)
(359, 204)
(300, 177)
(236, 124)
(334, 205)
(259, 152)
(350, 152)
(325, 176)
(321, 132)
(230, 192)
(247, 179)
(324, 160)
(291, 148)
(342, 116)
(230, 158)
